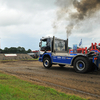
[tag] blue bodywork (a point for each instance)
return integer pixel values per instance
(58, 59)
(62, 59)
(45, 54)
(66, 59)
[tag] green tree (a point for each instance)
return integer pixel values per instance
(19, 49)
(1, 51)
(29, 50)
(23, 50)
(15, 50)
(12, 50)
(6, 50)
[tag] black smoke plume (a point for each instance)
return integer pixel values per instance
(84, 9)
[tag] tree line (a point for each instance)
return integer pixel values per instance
(15, 50)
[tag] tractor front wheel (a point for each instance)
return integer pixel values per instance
(47, 62)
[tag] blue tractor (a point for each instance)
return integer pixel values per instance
(55, 51)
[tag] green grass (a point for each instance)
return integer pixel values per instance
(12, 88)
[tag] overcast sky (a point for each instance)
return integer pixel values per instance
(24, 22)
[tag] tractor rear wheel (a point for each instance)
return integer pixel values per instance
(81, 64)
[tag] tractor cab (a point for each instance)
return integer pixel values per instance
(53, 45)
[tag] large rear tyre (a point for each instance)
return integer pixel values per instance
(81, 65)
(47, 62)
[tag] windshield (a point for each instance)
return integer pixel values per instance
(45, 45)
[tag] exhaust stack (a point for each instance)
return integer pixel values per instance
(67, 45)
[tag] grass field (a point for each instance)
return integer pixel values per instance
(12, 88)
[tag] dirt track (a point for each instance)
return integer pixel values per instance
(62, 79)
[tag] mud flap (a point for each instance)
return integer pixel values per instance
(94, 67)
(98, 62)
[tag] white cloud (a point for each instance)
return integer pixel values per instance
(24, 22)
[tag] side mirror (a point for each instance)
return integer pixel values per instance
(39, 44)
